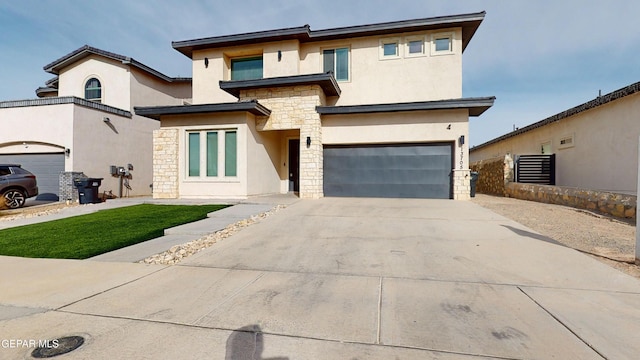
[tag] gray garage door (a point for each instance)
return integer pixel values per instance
(46, 168)
(393, 171)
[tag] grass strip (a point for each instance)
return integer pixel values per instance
(84, 236)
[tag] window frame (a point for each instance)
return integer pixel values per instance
(239, 59)
(387, 41)
(443, 35)
(99, 89)
(410, 39)
(204, 161)
(335, 61)
(563, 144)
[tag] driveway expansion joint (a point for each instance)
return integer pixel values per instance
(557, 319)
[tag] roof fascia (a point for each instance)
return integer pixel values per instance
(156, 112)
(469, 23)
(476, 107)
(326, 81)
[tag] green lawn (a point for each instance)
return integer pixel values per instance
(84, 236)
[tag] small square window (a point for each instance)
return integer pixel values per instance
(390, 49)
(443, 44)
(415, 47)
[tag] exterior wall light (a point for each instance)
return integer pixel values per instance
(461, 140)
(308, 141)
(279, 55)
(67, 151)
(206, 62)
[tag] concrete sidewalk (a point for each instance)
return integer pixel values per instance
(337, 279)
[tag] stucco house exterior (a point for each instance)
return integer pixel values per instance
(83, 121)
(595, 143)
(368, 110)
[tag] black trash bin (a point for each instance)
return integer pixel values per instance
(474, 179)
(88, 190)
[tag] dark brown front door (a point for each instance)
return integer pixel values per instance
(294, 165)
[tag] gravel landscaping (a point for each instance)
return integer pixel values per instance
(179, 252)
(607, 239)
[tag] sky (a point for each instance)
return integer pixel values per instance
(538, 58)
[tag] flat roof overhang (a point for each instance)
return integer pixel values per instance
(468, 22)
(155, 112)
(326, 81)
(476, 106)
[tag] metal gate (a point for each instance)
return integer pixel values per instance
(536, 169)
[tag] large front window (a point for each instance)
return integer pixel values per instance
(212, 153)
(337, 60)
(246, 68)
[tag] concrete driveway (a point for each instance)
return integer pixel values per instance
(337, 278)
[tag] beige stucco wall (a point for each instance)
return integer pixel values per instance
(372, 79)
(46, 125)
(92, 143)
(402, 79)
(408, 127)
(604, 155)
(113, 75)
(97, 145)
(147, 90)
(264, 154)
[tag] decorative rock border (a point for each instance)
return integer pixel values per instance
(618, 205)
(178, 252)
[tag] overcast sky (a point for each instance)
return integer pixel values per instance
(537, 57)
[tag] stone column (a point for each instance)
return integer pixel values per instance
(165, 164)
(67, 191)
(311, 159)
(462, 184)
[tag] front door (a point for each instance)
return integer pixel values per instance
(294, 165)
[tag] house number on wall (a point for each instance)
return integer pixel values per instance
(461, 155)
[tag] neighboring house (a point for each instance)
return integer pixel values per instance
(370, 110)
(595, 143)
(84, 121)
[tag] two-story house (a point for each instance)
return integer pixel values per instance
(370, 110)
(83, 121)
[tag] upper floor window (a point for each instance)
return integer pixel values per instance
(442, 44)
(246, 68)
(389, 49)
(336, 60)
(93, 90)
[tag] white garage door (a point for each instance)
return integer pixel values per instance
(389, 170)
(46, 168)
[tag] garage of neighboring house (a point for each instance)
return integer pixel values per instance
(46, 167)
(389, 170)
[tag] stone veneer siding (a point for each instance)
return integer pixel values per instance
(618, 205)
(493, 175)
(67, 189)
(165, 164)
(461, 184)
(294, 107)
(496, 178)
